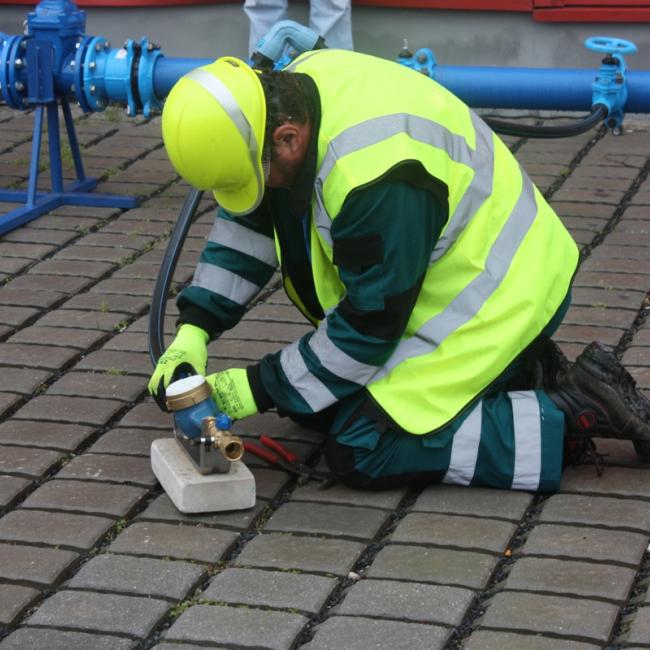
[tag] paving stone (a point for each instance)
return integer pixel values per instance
(599, 318)
(276, 589)
(105, 467)
(237, 626)
(103, 385)
(609, 298)
(179, 542)
(243, 350)
(16, 315)
(57, 337)
(282, 332)
(616, 481)
(620, 453)
(581, 542)
(147, 415)
(162, 509)
(105, 303)
(11, 487)
(36, 638)
(578, 619)
(26, 298)
(334, 520)
(460, 532)
(14, 600)
(486, 640)
(76, 410)
(22, 380)
(562, 577)
(138, 576)
(90, 253)
(35, 565)
(268, 482)
(8, 401)
(292, 552)
(11, 265)
(282, 428)
(583, 334)
(610, 281)
(85, 610)
(113, 240)
(71, 531)
(41, 236)
(356, 633)
(93, 320)
(29, 251)
(117, 363)
(640, 627)
(482, 502)
(339, 493)
(36, 356)
(77, 269)
(24, 461)
(627, 514)
(414, 601)
(51, 435)
(128, 341)
(184, 646)
(125, 286)
(438, 565)
(49, 283)
(127, 226)
(87, 497)
(128, 441)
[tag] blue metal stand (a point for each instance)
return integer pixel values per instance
(77, 192)
(31, 76)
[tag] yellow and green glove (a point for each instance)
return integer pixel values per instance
(232, 393)
(187, 354)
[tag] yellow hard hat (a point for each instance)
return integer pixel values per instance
(213, 126)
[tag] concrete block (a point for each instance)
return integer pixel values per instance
(191, 491)
(358, 633)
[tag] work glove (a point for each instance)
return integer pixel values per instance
(187, 355)
(232, 393)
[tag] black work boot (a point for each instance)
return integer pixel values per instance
(600, 399)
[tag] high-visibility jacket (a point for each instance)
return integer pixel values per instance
(499, 271)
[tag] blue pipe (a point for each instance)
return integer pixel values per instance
(168, 71)
(483, 87)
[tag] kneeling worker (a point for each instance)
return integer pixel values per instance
(432, 269)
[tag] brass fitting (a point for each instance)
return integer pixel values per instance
(230, 446)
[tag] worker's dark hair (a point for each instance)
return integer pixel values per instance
(286, 100)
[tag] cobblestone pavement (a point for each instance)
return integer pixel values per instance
(92, 553)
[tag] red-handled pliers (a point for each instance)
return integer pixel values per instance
(275, 453)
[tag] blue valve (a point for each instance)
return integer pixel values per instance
(423, 61)
(608, 45)
(609, 88)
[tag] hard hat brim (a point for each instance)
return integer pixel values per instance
(245, 199)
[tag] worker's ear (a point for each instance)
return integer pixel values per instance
(290, 139)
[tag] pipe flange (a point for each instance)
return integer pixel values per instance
(93, 82)
(79, 64)
(149, 54)
(13, 86)
(133, 52)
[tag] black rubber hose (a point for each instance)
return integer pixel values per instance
(166, 273)
(598, 113)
